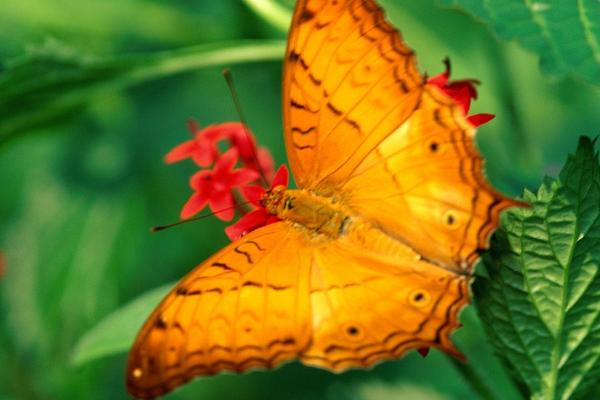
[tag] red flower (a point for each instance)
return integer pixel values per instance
(214, 187)
(259, 217)
(462, 92)
(202, 148)
(204, 151)
(254, 157)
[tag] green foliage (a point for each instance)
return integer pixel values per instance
(541, 300)
(115, 333)
(53, 82)
(564, 33)
(111, 97)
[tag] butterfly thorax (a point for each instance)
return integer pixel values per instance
(308, 211)
(324, 219)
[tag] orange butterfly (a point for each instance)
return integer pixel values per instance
(374, 251)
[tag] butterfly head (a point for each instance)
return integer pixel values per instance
(274, 198)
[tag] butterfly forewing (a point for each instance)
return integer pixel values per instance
(246, 307)
(349, 80)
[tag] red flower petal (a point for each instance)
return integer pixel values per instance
(243, 139)
(469, 85)
(224, 165)
(423, 351)
(221, 203)
(460, 94)
(242, 176)
(271, 219)
(281, 177)
(462, 91)
(439, 80)
(214, 133)
(193, 206)
(249, 222)
(202, 181)
(206, 152)
(181, 152)
(254, 194)
(480, 119)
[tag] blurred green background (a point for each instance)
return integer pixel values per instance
(82, 184)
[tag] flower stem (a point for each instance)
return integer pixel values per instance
(473, 379)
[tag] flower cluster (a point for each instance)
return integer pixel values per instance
(219, 183)
(462, 91)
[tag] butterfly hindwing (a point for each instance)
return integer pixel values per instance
(367, 308)
(245, 307)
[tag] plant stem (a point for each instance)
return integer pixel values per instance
(173, 62)
(473, 379)
(272, 12)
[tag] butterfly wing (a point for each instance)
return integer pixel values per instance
(424, 185)
(279, 294)
(367, 307)
(349, 81)
(364, 127)
(245, 307)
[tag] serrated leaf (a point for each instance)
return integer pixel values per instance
(55, 81)
(116, 332)
(541, 302)
(564, 33)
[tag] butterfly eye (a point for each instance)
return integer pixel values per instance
(288, 203)
(419, 298)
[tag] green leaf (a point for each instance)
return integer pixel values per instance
(54, 82)
(116, 332)
(540, 301)
(564, 33)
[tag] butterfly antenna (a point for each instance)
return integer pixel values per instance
(185, 221)
(229, 79)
